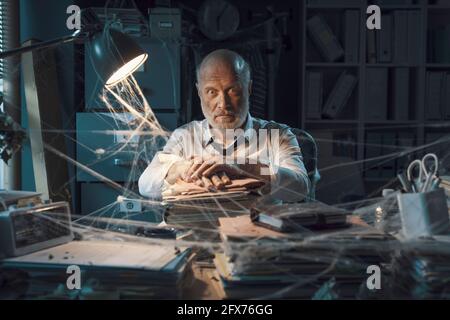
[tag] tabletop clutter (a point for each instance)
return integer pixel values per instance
(305, 250)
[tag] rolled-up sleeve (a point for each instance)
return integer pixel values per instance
(152, 179)
(289, 178)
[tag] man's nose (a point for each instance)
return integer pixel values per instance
(224, 101)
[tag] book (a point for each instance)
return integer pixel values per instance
(324, 38)
(339, 96)
(373, 150)
(401, 94)
(376, 94)
(414, 37)
(440, 48)
(434, 85)
(384, 39)
(351, 38)
(389, 147)
(446, 100)
(371, 46)
(405, 140)
(314, 95)
(400, 40)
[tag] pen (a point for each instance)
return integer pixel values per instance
(435, 184)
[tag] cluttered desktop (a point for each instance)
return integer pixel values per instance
(191, 172)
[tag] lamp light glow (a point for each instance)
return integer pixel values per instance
(126, 70)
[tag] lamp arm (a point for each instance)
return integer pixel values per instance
(44, 44)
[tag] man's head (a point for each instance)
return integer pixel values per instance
(224, 87)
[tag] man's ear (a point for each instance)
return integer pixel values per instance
(198, 89)
(250, 87)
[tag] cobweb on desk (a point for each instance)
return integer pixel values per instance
(331, 266)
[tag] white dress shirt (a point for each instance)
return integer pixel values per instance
(277, 148)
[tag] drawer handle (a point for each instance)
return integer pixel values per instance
(122, 163)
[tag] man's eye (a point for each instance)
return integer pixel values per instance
(211, 92)
(235, 91)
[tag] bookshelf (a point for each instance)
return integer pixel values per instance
(388, 110)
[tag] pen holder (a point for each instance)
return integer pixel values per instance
(424, 214)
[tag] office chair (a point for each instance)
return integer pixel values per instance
(309, 150)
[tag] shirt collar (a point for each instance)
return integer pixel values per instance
(208, 137)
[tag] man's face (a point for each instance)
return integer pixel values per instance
(224, 97)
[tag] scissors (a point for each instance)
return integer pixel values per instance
(422, 182)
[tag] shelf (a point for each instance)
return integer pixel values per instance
(392, 65)
(331, 121)
(401, 7)
(437, 65)
(332, 64)
(334, 6)
(438, 7)
(390, 121)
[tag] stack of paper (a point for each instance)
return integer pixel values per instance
(422, 270)
(292, 217)
(201, 211)
(122, 270)
(445, 183)
(269, 264)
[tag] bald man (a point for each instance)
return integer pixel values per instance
(229, 141)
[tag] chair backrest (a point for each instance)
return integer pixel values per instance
(309, 150)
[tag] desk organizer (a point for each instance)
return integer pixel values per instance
(424, 214)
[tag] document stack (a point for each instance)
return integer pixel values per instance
(107, 270)
(422, 270)
(200, 211)
(294, 217)
(257, 262)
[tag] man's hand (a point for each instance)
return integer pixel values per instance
(211, 168)
(178, 170)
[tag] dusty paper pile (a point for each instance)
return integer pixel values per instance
(294, 217)
(257, 262)
(109, 270)
(196, 207)
(422, 269)
(182, 190)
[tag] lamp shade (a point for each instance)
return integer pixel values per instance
(115, 56)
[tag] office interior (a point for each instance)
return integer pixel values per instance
(363, 103)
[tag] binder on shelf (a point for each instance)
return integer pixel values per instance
(374, 142)
(434, 95)
(405, 140)
(440, 47)
(351, 39)
(376, 94)
(400, 39)
(446, 100)
(401, 94)
(388, 165)
(314, 95)
(371, 46)
(339, 96)
(414, 37)
(323, 37)
(384, 39)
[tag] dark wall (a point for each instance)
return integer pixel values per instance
(46, 20)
